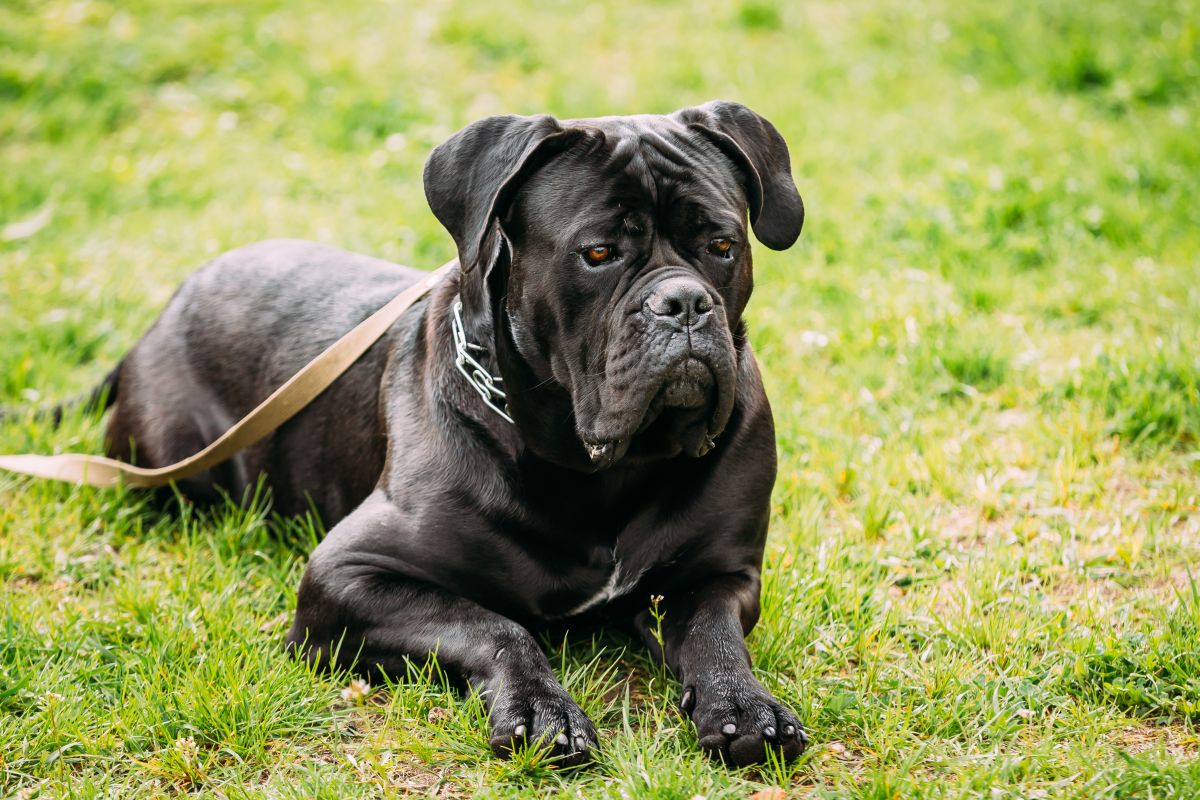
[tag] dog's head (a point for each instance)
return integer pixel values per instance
(613, 255)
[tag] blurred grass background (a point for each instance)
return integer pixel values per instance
(982, 356)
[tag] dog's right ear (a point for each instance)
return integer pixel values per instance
(471, 177)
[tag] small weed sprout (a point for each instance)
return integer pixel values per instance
(658, 615)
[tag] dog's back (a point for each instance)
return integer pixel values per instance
(236, 330)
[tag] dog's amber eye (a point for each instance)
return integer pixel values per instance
(720, 246)
(598, 254)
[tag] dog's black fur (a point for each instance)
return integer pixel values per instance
(642, 456)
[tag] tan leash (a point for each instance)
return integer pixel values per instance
(283, 404)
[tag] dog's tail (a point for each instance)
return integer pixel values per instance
(97, 400)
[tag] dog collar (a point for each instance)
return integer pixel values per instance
(484, 382)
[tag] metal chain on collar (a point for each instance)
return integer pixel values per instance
(476, 374)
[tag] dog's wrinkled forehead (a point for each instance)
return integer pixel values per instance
(634, 168)
(658, 150)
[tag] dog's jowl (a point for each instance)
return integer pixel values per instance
(571, 423)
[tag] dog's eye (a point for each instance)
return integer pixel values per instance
(598, 254)
(720, 246)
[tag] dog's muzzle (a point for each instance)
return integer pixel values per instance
(676, 396)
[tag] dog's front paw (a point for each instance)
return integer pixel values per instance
(542, 714)
(740, 723)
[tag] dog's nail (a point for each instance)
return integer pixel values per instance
(788, 730)
(580, 743)
(769, 732)
(519, 731)
(561, 739)
(729, 729)
(686, 701)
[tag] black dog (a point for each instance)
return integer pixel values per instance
(570, 424)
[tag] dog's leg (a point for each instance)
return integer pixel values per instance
(703, 633)
(354, 607)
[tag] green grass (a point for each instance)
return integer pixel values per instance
(982, 356)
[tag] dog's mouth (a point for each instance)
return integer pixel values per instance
(687, 385)
(677, 419)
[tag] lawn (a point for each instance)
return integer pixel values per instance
(982, 357)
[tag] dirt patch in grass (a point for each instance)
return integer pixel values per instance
(1177, 741)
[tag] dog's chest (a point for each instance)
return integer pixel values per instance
(608, 578)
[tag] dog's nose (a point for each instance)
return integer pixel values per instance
(680, 301)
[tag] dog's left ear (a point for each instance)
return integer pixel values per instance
(471, 177)
(776, 210)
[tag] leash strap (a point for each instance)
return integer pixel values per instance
(283, 404)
